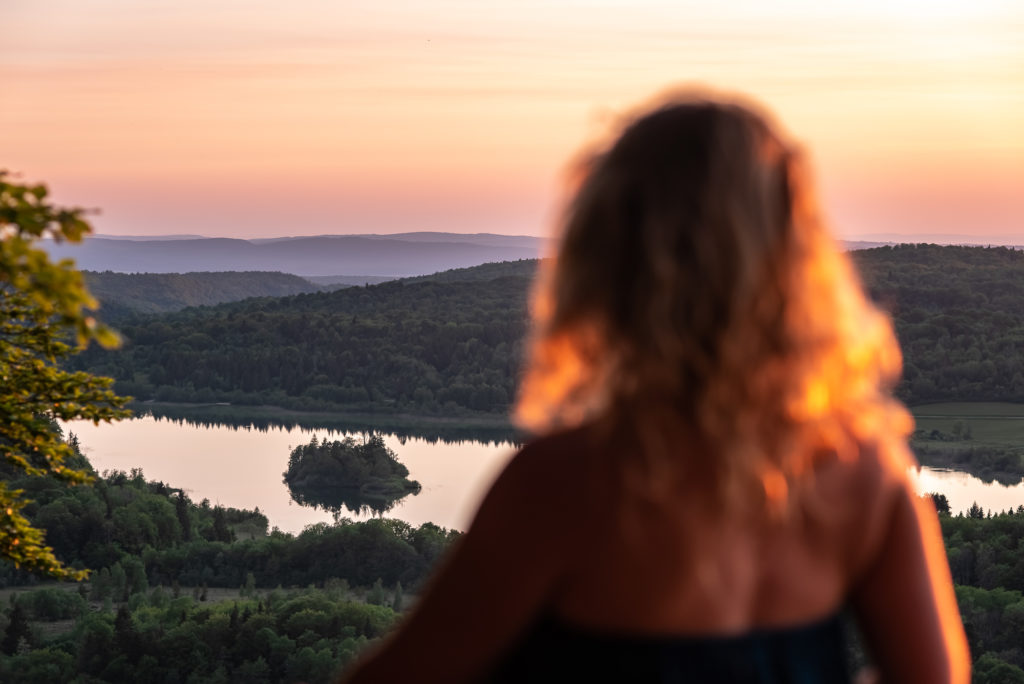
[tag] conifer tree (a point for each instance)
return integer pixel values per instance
(181, 510)
(18, 629)
(396, 603)
(221, 531)
(376, 594)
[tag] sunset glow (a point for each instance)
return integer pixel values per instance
(259, 119)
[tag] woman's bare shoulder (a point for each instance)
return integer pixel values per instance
(902, 591)
(563, 454)
(874, 483)
(559, 473)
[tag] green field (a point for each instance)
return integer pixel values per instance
(985, 439)
(990, 422)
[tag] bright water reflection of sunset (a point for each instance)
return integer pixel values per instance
(260, 118)
(242, 468)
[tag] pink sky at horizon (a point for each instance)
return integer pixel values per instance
(259, 119)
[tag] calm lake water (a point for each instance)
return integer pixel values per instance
(242, 468)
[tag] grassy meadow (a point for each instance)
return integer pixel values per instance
(984, 438)
(996, 423)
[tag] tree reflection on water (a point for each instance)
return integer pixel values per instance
(335, 499)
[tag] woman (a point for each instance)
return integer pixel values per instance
(720, 468)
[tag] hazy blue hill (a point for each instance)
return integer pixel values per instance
(397, 256)
(335, 281)
(492, 239)
(121, 294)
(148, 238)
(854, 245)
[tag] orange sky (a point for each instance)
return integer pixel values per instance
(251, 119)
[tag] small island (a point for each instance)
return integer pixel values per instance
(359, 476)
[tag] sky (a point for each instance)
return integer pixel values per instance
(259, 119)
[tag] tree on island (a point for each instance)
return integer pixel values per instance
(43, 319)
(347, 473)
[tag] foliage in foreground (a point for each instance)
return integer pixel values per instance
(42, 314)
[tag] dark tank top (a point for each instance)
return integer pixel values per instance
(554, 651)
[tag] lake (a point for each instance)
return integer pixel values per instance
(242, 467)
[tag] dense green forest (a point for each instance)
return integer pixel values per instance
(122, 295)
(161, 635)
(959, 314)
(434, 347)
(452, 344)
(346, 473)
(986, 557)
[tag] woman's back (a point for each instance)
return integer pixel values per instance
(675, 565)
(668, 591)
(720, 459)
(559, 564)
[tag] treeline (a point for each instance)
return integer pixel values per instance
(1003, 464)
(523, 268)
(455, 347)
(484, 428)
(122, 295)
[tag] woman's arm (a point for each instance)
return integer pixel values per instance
(905, 601)
(495, 581)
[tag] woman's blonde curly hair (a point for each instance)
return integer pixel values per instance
(696, 291)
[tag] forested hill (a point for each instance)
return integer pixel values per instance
(959, 314)
(121, 294)
(125, 294)
(429, 347)
(447, 347)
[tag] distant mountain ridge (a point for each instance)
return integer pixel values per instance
(409, 254)
(323, 257)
